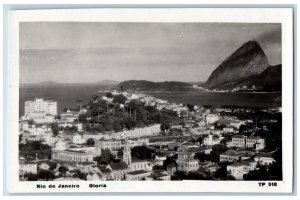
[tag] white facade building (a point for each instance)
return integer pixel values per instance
(41, 111)
(39, 105)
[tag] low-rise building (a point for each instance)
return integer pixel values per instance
(69, 116)
(26, 167)
(137, 175)
(72, 156)
(238, 169)
(109, 144)
(161, 176)
(137, 165)
(210, 141)
(230, 156)
(171, 168)
(185, 160)
(78, 139)
(253, 142)
(265, 158)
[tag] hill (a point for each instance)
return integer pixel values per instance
(149, 86)
(268, 81)
(246, 62)
(107, 82)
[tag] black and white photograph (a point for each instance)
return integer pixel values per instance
(181, 101)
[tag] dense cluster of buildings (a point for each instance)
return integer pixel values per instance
(70, 149)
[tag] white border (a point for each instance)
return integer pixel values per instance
(243, 15)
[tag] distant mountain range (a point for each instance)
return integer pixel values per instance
(247, 67)
(149, 86)
(52, 83)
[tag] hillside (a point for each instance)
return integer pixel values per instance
(246, 62)
(148, 86)
(268, 81)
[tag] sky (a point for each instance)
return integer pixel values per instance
(74, 52)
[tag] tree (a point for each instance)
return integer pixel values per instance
(120, 99)
(46, 175)
(83, 118)
(52, 166)
(216, 151)
(142, 152)
(190, 107)
(105, 157)
(109, 95)
(63, 170)
(202, 157)
(80, 175)
(109, 127)
(117, 125)
(90, 142)
(55, 129)
(31, 177)
(129, 122)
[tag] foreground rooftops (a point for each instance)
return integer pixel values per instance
(137, 172)
(232, 153)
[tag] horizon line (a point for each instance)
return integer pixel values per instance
(106, 80)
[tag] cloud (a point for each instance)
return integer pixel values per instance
(64, 51)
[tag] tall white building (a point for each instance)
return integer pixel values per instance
(39, 108)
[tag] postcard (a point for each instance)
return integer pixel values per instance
(151, 100)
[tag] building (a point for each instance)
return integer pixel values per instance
(65, 124)
(140, 165)
(211, 118)
(230, 156)
(238, 169)
(186, 161)
(78, 139)
(99, 172)
(118, 170)
(209, 140)
(69, 116)
(171, 168)
(112, 144)
(51, 140)
(142, 132)
(238, 141)
(27, 167)
(72, 156)
(137, 175)
(160, 176)
(95, 136)
(253, 142)
(127, 154)
(34, 109)
(265, 158)
(96, 177)
(36, 129)
(138, 142)
(230, 122)
(61, 145)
